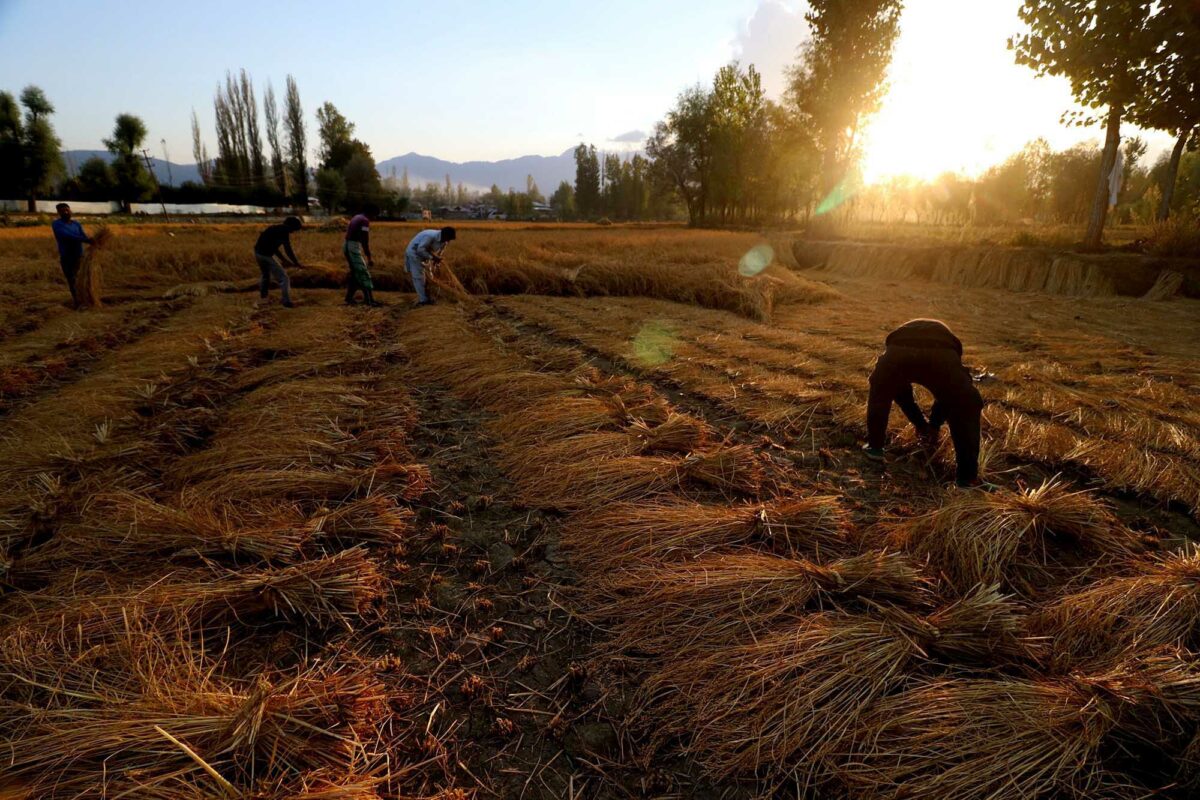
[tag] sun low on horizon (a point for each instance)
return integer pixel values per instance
(957, 101)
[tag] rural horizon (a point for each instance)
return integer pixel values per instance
(818, 419)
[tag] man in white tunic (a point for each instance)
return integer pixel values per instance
(427, 245)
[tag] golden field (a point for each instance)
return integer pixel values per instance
(601, 530)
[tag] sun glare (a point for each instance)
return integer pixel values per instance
(957, 101)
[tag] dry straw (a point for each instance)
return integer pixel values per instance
(1011, 739)
(1117, 616)
(723, 598)
(1026, 541)
(621, 534)
(792, 698)
(89, 279)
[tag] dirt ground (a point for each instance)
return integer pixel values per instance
(499, 688)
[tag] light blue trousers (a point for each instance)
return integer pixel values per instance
(417, 272)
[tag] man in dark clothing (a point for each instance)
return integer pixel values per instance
(269, 251)
(926, 352)
(69, 236)
(357, 250)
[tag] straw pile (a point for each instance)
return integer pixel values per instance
(89, 280)
(1025, 541)
(620, 534)
(1117, 616)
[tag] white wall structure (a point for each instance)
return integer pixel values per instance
(151, 209)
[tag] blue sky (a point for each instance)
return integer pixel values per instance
(467, 80)
(458, 80)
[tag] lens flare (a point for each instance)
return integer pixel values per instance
(756, 260)
(840, 194)
(654, 344)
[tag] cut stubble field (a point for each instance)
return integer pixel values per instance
(602, 530)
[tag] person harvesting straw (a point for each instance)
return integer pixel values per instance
(269, 251)
(356, 248)
(926, 352)
(428, 245)
(70, 238)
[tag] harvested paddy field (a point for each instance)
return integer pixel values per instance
(604, 530)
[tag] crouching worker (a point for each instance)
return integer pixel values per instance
(427, 245)
(269, 252)
(357, 250)
(926, 352)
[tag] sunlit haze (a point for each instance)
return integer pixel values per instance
(474, 80)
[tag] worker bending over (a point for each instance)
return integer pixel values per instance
(70, 238)
(269, 252)
(926, 352)
(427, 245)
(356, 249)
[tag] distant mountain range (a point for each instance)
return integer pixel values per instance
(547, 171)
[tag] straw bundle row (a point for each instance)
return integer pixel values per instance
(1025, 541)
(679, 433)
(323, 591)
(408, 481)
(183, 731)
(1011, 739)
(719, 599)
(592, 483)
(792, 698)
(1114, 617)
(621, 534)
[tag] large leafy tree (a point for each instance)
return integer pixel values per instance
(133, 182)
(839, 80)
(42, 151)
(12, 147)
(1107, 49)
(337, 137)
(1171, 101)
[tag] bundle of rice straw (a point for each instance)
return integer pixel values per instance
(164, 723)
(324, 591)
(725, 598)
(444, 279)
(1025, 541)
(369, 519)
(89, 280)
(1113, 617)
(125, 526)
(408, 481)
(789, 700)
(678, 434)
(591, 483)
(667, 530)
(1010, 739)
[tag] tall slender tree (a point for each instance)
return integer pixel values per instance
(200, 152)
(297, 143)
(1108, 50)
(271, 114)
(839, 80)
(254, 147)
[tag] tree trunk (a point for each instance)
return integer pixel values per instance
(1112, 139)
(1168, 186)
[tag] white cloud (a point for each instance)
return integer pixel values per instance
(770, 39)
(630, 137)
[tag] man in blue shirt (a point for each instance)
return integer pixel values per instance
(70, 238)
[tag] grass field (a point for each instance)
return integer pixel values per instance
(602, 530)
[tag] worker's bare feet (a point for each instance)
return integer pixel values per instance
(873, 453)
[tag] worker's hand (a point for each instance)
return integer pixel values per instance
(90, 240)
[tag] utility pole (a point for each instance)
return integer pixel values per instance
(167, 161)
(157, 185)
